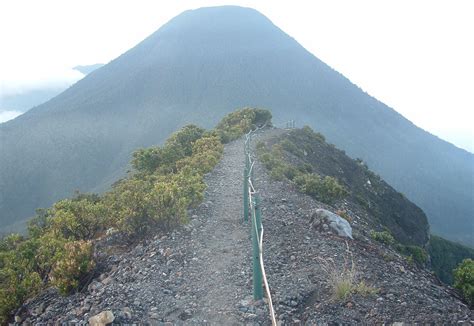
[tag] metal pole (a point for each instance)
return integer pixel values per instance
(257, 271)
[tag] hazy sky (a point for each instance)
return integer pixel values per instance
(416, 56)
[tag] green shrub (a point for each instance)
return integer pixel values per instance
(305, 168)
(46, 252)
(240, 122)
(147, 160)
(310, 134)
(206, 152)
(384, 237)
(191, 186)
(260, 147)
(289, 146)
(17, 283)
(38, 224)
(11, 242)
(419, 254)
(129, 203)
(268, 161)
(327, 190)
(183, 140)
(308, 183)
(464, 280)
(78, 219)
(278, 173)
(179, 145)
(160, 196)
(291, 172)
(72, 264)
(169, 204)
(331, 190)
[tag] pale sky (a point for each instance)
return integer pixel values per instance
(415, 56)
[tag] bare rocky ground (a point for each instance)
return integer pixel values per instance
(297, 257)
(201, 273)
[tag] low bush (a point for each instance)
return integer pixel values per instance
(289, 146)
(178, 146)
(77, 219)
(331, 190)
(17, 281)
(305, 168)
(327, 189)
(384, 237)
(72, 264)
(240, 122)
(311, 135)
(464, 280)
(415, 254)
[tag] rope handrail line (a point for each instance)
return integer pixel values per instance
(251, 200)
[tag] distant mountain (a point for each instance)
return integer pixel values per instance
(24, 101)
(87, 69)
(199, 66)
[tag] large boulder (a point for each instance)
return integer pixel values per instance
(338, 224)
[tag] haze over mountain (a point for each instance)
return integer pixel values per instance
(12, 105)
(201, 65)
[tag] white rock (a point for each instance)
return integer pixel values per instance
(102, 319)
(337, 223)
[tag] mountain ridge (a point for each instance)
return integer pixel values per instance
(200, 273)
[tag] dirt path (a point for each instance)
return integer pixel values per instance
(219, 273)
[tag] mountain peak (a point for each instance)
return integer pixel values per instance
(221, 14)
(224, 25)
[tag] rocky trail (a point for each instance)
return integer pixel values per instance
(200, 274)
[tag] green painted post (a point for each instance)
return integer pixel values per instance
(257, 272)
(246, 183)
(246, 193)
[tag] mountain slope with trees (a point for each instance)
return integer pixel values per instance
(199, 66)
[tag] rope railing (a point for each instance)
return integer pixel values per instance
(252, 211)
(290, 124)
